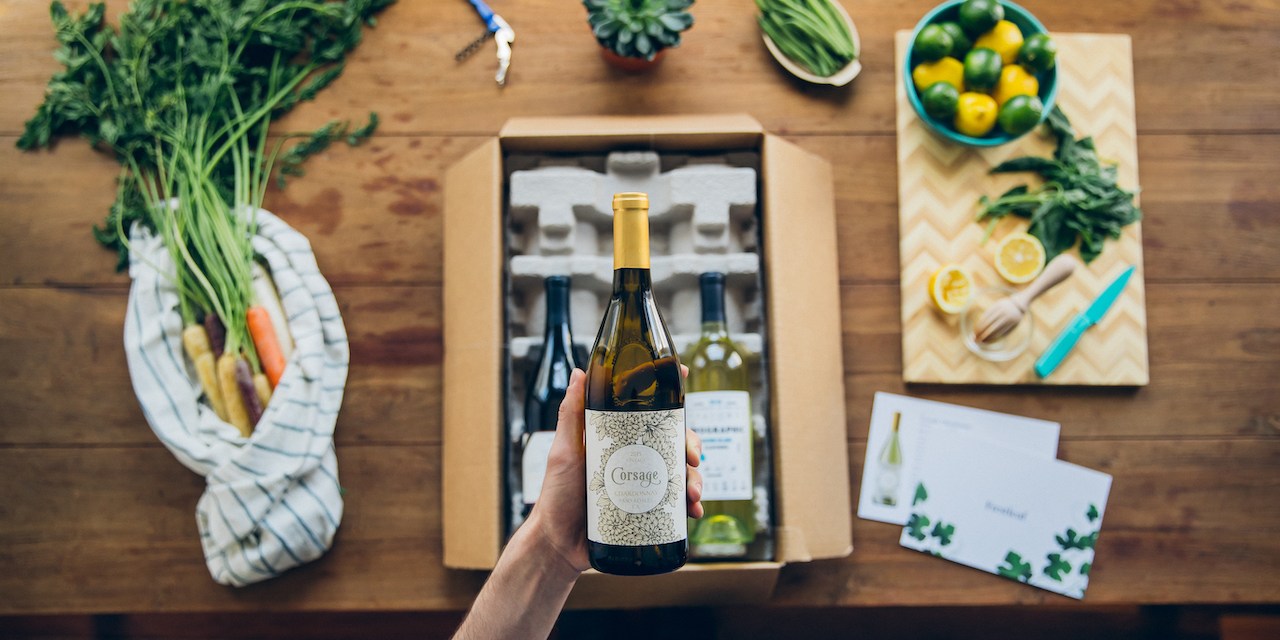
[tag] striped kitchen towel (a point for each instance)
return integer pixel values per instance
(272, 501)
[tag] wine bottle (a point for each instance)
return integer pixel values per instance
(546, 389)
(890, 468)
(635, 444)
(718, 409)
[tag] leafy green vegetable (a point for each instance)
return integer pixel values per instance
(319, 140)
(810, 32)
(1056, 567)
(1079, 202)
(1014, 568)
(182, 94)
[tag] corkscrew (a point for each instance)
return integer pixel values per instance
(500, 31)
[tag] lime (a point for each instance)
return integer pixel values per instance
(940, 101)
(960, 42)
(933, 42)
(1038, 52)
(975, 114)
(1020, 114)
(982, 69)
(979, 16)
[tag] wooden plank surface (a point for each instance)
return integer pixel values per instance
(95, 516)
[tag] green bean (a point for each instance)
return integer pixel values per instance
(810, 32)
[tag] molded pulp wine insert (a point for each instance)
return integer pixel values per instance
(703, 217)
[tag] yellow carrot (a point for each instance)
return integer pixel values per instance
(264, 388)
(236, 412)
(196, 343)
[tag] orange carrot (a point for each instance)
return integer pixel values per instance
(264, 340)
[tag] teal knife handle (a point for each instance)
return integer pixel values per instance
(1061, 346)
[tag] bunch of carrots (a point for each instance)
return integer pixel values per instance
(234, 390)
(182, 93)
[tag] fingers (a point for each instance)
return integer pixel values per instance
(571, 421)
(694, 492)
(693, 456)
(692, 448)
(684, 371)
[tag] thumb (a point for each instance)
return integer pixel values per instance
(570, 423)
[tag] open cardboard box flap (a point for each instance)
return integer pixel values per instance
(806, 371)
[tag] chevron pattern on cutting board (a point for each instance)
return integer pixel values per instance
(939, 184)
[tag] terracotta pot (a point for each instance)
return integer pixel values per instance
(628, 64)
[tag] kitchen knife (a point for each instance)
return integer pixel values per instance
(1062, 345)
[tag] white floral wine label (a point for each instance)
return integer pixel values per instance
(636, 477)
(723, 420)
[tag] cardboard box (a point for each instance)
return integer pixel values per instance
(811, 481)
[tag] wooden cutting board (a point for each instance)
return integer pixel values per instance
(939, 184)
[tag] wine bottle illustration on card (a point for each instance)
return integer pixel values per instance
(635, 425)
(718, 409)
(890, 474)
(546, 389)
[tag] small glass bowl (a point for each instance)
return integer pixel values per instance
(1006, 348)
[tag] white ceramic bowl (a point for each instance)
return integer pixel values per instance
(840, 78)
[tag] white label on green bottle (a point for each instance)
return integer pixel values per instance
(723, 420)
(636, 477)
(533, 466)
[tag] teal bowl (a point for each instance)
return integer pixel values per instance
(948, 11)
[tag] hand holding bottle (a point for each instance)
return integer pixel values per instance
(559, 516)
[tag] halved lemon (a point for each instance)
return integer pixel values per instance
(950, 287)
(1019, 258)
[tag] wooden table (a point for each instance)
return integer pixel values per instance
(95, 516)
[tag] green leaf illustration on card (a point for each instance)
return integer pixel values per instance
(1014, 568)
(921, 495)
(917, 526)
(1073, 540)
(943, 532)
(1092, 513)
(1056, 567)
(1084, 568)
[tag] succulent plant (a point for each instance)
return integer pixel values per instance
(638, 28)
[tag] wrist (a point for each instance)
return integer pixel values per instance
(552, 559)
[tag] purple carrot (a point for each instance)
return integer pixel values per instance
(248, 392)
(217, 333)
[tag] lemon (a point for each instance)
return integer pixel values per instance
(1019, 258)
(1004, 38)
(975, 114)
(950, 287)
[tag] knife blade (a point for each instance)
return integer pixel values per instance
(1062, 345)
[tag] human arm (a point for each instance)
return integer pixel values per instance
(541, 563)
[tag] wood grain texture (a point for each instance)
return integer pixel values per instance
(134, 534)
(96, 516)
(1198, 63)
(939, 184)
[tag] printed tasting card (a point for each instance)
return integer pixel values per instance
(993, 507)
(895, 441)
